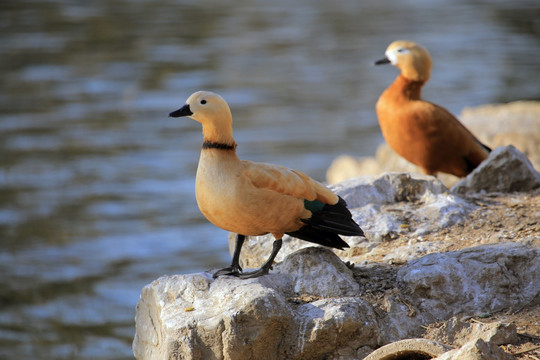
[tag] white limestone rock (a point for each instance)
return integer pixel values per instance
(386, 205)
(334, 325)
(476, 349)
(477, 280)
(457, 332)
(198, 317)
(309, 307)
(316, 271)
(506, 170)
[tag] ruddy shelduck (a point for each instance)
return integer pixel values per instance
(424, 133)
(251, 198)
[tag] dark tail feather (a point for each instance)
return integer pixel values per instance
(325, 238)
(325, 226)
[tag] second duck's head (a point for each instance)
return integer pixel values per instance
(205, 107)
(411, 58)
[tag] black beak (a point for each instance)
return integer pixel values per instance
(382, 61)
(183, 111)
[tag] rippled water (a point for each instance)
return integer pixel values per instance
(96, 183)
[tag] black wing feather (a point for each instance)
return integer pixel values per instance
(325, 226)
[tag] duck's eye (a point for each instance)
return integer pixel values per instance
(203, 101)
(400, 50)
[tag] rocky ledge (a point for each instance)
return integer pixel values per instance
(446, 273)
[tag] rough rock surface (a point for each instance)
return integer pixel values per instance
(308, 272)
(435, 279)
(516, 124)
(457, 332)
(196, 317)
(477, 349)
(279, 316)
(506, 170)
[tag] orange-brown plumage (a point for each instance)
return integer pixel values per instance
(423, 133)
(251, 198)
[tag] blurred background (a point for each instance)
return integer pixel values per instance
(97, 183)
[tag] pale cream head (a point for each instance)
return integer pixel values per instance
(208, 107)
(412, 59)
(213, 112)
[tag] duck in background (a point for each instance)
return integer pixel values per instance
(423, 133)
(251, 198)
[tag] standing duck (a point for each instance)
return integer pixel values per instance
(424, 133)
(251, 198)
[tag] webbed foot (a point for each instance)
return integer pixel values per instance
(234, 270)
(255, 273)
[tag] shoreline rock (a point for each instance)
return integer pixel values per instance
(276, 316)
(506, 170)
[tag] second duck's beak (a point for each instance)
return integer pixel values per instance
(183, 111)
(382, 61)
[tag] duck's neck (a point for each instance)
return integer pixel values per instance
(410, 89)
(218, 136)
(217, 154)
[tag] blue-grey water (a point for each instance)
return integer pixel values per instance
(96, 182)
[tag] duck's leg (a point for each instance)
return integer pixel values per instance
(265, 268)
(235, 268)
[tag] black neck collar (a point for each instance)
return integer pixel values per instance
(219, 146)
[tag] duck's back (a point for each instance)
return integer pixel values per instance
(424, 133)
